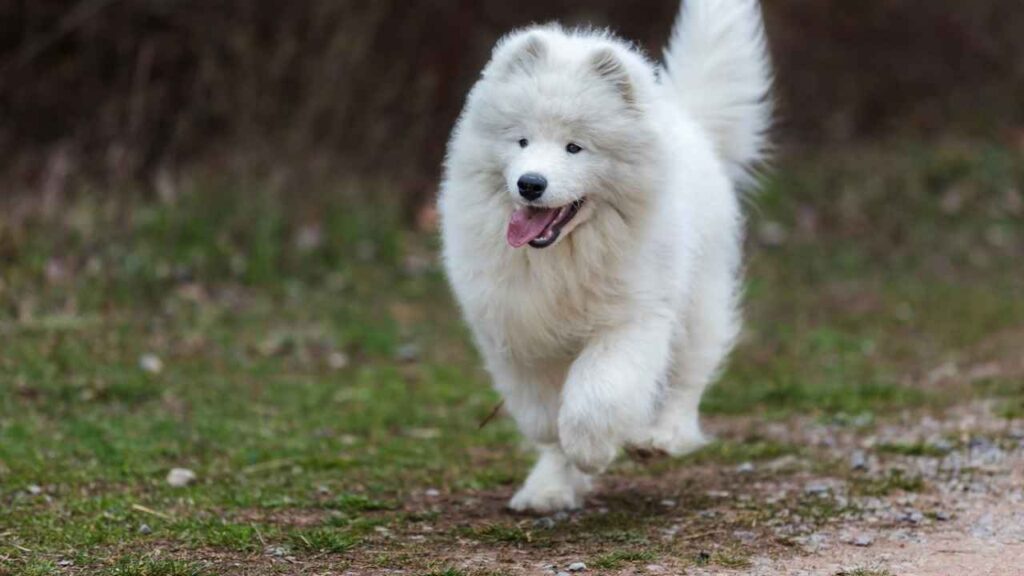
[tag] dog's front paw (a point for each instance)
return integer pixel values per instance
(591, 451)
(536, 498)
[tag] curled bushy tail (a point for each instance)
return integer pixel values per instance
(717, 62)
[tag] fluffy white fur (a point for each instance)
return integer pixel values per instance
(608, 338)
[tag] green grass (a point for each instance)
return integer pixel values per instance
(1009, 393)
(355, 503)
(893, 481)
(738, 452)
(732, 559)
(1012, 409)
(912, 449)
(36, 568)
(498, 533)
(621, 558)
(222, 535)
(155, 567)
(327, 540)
(316, 387)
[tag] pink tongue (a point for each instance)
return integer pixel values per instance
(527, 224)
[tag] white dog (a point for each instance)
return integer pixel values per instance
(592, 232)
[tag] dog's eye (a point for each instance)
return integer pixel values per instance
(524, 143)
(573, 148)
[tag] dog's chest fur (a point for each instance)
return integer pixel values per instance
(544, 305)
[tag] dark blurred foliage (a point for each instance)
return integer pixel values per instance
(121, 89)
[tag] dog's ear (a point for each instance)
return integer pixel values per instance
(519, 54)
(606, 64)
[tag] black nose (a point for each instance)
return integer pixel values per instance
(532, 186)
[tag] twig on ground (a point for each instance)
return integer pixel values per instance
(700, 535)
(259, 534)
(492, 415)
(151, 512)
(268, 465)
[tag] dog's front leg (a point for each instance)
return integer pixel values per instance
(610, 393)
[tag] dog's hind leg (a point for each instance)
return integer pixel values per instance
(711, 326)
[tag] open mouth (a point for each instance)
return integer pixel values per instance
(540, 227)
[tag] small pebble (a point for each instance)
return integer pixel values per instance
(745, 536)
(181, 477)
(408, 353)
(151, 364)
(577, 567)
(66, 563)
(145, 529)
(816, 488)
(912, 516)
(668, 503)
(859, 461)
(980, 443)
(814, 542)
(416, 265)
(337, 361)
(545, 523)
(309, 238)
(745, 468)
(863, 541)
(432, 493)
(943, 516)
(772, 234)
(424, 433)
(276, 551)
(34, 489)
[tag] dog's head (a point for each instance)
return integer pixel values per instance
(562, 116)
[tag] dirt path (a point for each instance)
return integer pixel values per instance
(968, 518)
(917, 496)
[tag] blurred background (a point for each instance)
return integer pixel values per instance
(128, 91)
(218, 252)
